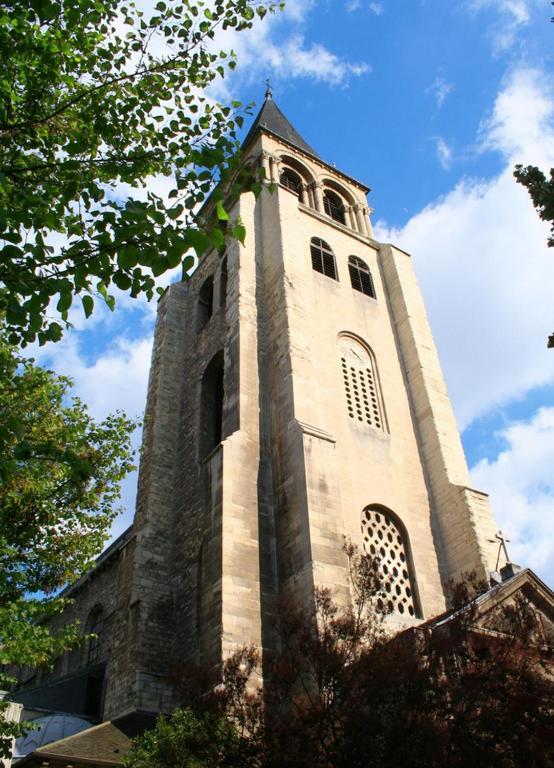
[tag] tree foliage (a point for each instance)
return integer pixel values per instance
(189, 740)
(95, 99)
(541, 191)
(60, 473)
(343, 693)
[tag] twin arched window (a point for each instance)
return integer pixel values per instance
(323, 260)
(385, 538)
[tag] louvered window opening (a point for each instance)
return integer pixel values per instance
(383, 539)
(323, 259)
(361, 394)
(333, 206)
(360, 276)
(291, 180)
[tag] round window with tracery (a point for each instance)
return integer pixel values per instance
(383, 538)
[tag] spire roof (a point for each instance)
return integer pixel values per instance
(273, 120)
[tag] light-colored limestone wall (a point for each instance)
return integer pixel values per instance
(465, 521)
(329, 467)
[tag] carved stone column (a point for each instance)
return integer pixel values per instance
(266, 166)
(317, 190)
(304, 194)
(275, 169)
(351, 216)
(360, 218)
(367, 220)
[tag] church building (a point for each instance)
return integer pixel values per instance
(295, 399)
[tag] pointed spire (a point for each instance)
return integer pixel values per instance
(273, 120)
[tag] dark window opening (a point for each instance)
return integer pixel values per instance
(205, 303)
(323, 259)
(93, 695)
(333, 206)
(95, 625)
(291, 180)
(211, 405)
(223, 283)
(360, 276)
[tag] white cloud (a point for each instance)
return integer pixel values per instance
(513, 15)
(521, 484)
(377, 8)
(353, 5)
(440, 89)
(444, 153)
(277, 47)
(483, 265)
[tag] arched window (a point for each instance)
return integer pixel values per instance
(333, 206)
(223, 283)
(385, 538)
(361, 386)
(323, 258)
(291, 180)
(95, 625)
(205, 303)
(211, 405)
(360, 276)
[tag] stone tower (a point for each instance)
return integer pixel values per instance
(295, 398)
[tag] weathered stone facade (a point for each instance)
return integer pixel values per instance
(257, 462)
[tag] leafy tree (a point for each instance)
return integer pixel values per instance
(541, 191)
(94, 95)
(59, 480)
(189, 740)
(343, 693)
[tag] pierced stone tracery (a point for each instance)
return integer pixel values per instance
(383, 538)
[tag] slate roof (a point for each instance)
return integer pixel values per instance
(101, 745)
(272, 119)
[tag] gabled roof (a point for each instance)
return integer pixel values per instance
(525, 582)
(101, 745)
(273, 120)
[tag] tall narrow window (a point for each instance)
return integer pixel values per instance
(363, 400)
(333, 206)
(211, 405)
(323, 258)
(385, 538)
(360, 276)
(223, 283)
(95, 625)
(291, 180)
(205, 303)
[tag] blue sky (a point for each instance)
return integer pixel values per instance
(431, 103)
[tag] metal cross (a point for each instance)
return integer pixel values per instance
(268, 90)
(503, 540)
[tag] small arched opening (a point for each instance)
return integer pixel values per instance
(211, 405)
(205, 303)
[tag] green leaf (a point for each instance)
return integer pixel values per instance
(88, 305)
(221, 212)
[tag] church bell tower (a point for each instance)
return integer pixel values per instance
(295, 398)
